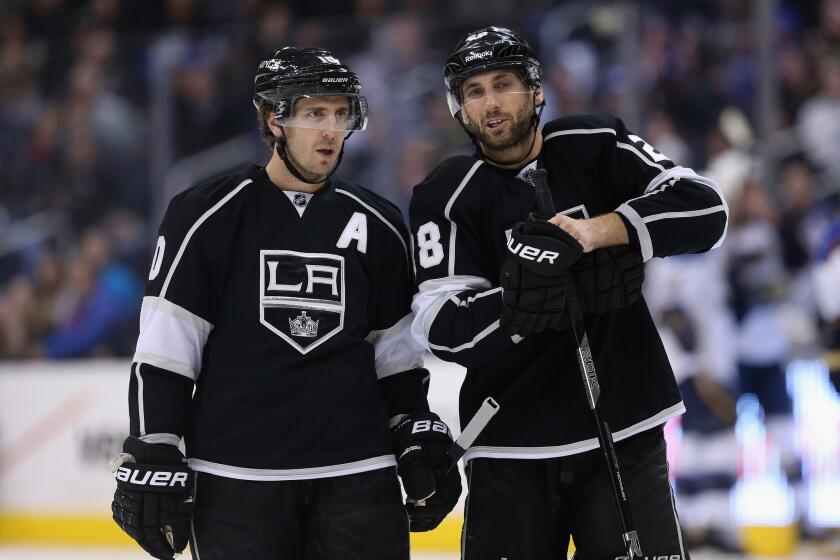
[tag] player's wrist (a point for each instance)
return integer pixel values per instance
(605, 231)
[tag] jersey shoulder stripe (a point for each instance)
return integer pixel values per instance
(195, 206)
(371, 199)
(438, 187)
(609, 132)
(571, 125)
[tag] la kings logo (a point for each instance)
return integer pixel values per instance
(302, 296)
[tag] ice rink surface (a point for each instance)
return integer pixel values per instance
(30, 553)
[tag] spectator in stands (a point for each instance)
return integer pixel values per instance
(818, 124)
(99, 305)
(16, 304)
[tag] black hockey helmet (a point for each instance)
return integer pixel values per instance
(489, 48)
(293, 72)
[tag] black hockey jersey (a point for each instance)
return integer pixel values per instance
(461, 216)
(289, 314)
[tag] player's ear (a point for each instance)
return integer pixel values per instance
(271, 122)
(539, 97)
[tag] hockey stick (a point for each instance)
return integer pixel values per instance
(479, 421)
(545, 205)
(488, 409)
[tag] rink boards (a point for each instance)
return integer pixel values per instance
(60, 423)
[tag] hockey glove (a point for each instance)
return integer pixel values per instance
(153, 501)
(421, 442)
(608, 279)
(534, 277)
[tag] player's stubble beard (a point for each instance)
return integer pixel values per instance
(521, 129)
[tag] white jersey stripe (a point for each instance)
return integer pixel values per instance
(465, 302)
(612, 131)
(631, 148)
(645, 242)
(193, 229)
(171, 337)
(243, 473)
(164, 438)
(141, 411)
(471, 344)
(574, 131)
(686, 214)
(446, 212)
(658, 185)
(549, 452)
(433, 295)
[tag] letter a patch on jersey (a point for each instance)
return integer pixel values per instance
(356, 229)
(302, 296)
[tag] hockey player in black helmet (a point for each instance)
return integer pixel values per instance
(494, 274)
(286, 89)
(514, 74)
(275, 340)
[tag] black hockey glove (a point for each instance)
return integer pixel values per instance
(608, 279)
(153, 501)
(534, 277)
(421, 442)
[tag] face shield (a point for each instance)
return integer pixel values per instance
(340, 112)
(527, 73)
(499, 92)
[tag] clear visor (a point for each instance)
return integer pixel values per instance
(341, 112)
(511, 83)
(498, 91)
(480, 96)
(479, 101)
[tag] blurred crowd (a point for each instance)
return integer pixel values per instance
(101, 99)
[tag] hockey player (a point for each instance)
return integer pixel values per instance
(275, 339)
(535, 474)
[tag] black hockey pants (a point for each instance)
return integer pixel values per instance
(527, 509)
(351, 517)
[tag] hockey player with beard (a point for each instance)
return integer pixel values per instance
(536, 476)
(275, 339)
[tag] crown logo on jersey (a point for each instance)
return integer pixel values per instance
(303, 326)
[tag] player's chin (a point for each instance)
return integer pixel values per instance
(320, 168)
(499, 141)
(323, 164)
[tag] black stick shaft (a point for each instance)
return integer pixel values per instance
(545, 207)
